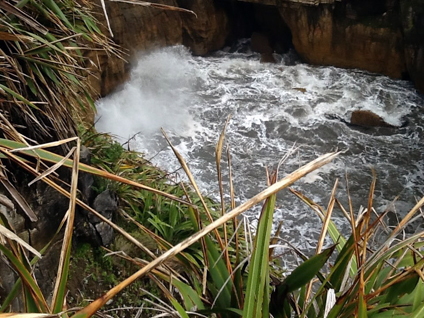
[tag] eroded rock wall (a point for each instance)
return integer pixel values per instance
(208, 31)
(412, 18)
(338, 34)
(139, 28)
(382, 36)
(135, 28)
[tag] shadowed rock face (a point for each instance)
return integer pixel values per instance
(135, 28)
(206, 32)
(412, 17)
(345, 36)
(139, 28)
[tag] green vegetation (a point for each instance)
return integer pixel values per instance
(194, 256)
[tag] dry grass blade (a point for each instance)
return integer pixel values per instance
(327, 218)
(62, 272)
(53, 168)
(46, 145)
(23, 16)
(218, 155)
(230, 177)
(156, 5)
(283, 183)
(18, 197)
(324, 231)
(107, 17)
(12, 236)
(28, 316)
(53, 158)
(407, 218)
(5, 36)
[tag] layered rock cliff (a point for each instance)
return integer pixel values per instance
(342, 35)
(382, 36)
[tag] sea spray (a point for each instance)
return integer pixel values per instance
(157, 94)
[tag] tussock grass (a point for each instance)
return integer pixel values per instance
(43, 68)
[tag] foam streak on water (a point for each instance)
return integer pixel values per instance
(273, 107)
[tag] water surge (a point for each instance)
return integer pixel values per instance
(274, 108)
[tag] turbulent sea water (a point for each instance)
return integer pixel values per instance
(274, 108)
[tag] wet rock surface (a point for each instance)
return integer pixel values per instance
(208, 31)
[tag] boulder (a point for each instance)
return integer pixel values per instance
(366, 118)
(268, 58)
(105, 231)
(260, 43)
(50, 207)
(106, 204)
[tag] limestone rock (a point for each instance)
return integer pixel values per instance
(208, 31)
(106, 204)
(7, 208)
(363, 37)
(105, 232)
